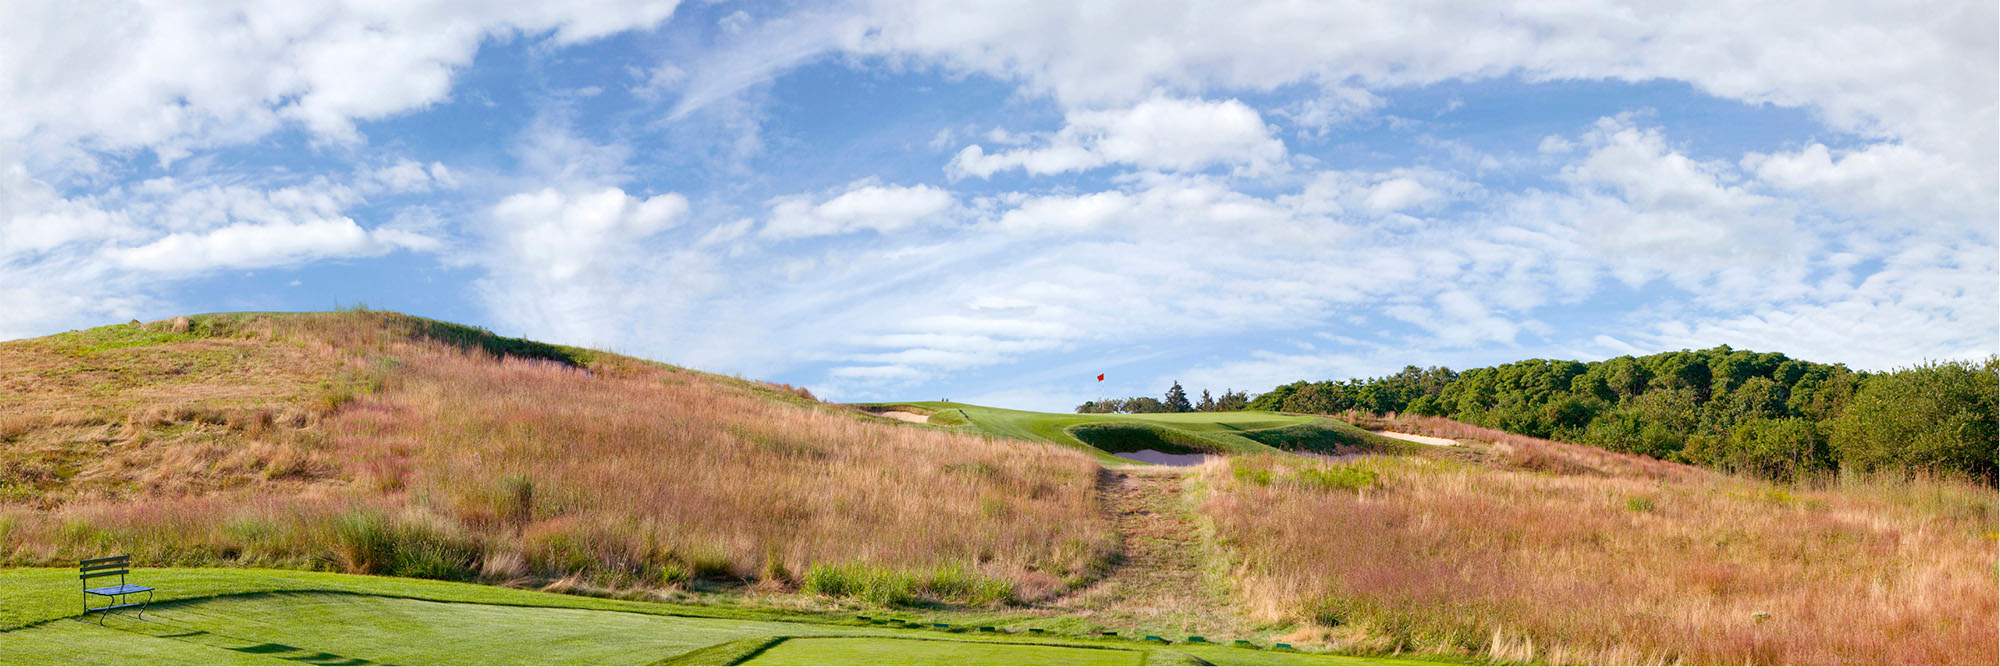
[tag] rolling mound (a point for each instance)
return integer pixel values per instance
(381, 443)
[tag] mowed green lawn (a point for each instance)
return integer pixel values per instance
(264, 617)
(883, 651)
(1244, 432)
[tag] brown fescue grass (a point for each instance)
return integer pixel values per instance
(377, 451)
(1607, 561)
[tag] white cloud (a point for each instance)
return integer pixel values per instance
(1663, 214)
(86, 88)
(751, 56)
(259, 245)
(1383, 194)
(178, 76)
(1334, 106)
(725, 232)
(864, 206)
(1470, 270)
(113, 253)
(1929, 301)
(587, 266)
(1895, 181)
(1397, 194)
(1159, 133)
(1069, 213)
(1460, 320)
(1920, 75)
(1260, 370)
(407, 176)
(556, 236)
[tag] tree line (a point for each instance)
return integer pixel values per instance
(1176, 400)
(1761, 414)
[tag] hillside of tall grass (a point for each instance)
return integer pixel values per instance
(380, 443)
(1528, 550)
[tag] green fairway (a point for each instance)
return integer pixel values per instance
(264, 617)
(1104, 435)
(874, 651)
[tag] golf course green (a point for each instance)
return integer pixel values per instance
(1107, 435)
(267, 617)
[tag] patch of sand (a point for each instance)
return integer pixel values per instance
(1420, 439)
(910, 417)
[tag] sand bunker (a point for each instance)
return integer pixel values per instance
(1421, 439)
(910, 417)
(1157, 457)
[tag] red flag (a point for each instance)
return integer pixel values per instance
(1100, 377)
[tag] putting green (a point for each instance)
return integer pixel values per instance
(884, 651)
(1103, 435)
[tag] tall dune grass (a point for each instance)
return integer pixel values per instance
(1643, 566)
(428, 456)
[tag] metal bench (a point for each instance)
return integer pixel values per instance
(117, 597)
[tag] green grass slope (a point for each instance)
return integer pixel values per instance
(265, 617)
(1105, 435)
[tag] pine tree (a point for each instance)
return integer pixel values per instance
(1207, 404)
(1177, 400)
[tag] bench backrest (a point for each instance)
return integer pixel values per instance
(107, 566)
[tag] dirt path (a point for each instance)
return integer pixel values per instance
(1157, 586)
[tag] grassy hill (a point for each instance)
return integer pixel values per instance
(1539, 551)
(381, 443)
(409, 478)
(1105, 435)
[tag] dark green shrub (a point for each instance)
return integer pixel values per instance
(1937, 417)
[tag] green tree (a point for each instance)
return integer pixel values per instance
(1274, 400)
(1936, 416)
(1231, 401)
(1822, 393)
(1629, 430)
(1679, 370)
(1781, 449)
(1177, 400)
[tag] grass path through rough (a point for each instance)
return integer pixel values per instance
(1157, 585)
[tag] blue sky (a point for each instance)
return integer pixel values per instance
(907, 199)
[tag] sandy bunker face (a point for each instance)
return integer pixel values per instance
(1157, 457)
(910, 417)
(1412, 437)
